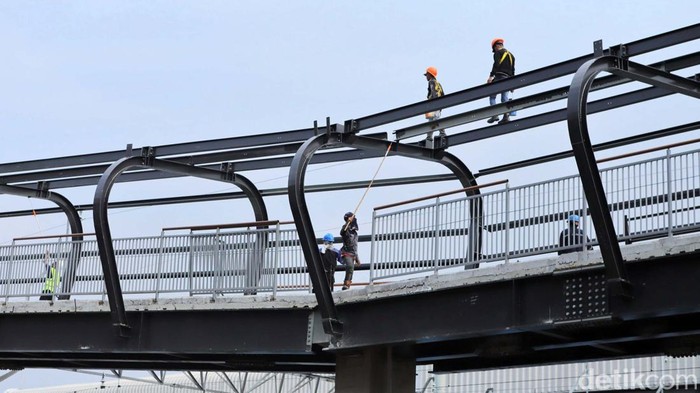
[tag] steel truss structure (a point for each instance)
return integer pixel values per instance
(295, 149)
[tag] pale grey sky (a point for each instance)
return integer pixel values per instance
(84, 77)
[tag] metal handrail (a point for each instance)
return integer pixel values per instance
(649, 150)
(228, 226)
(53, 236)
(428, 197)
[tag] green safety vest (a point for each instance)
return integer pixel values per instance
(52, 281)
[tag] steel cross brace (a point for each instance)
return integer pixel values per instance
(297, 201)
(585, 159)
(101, 221)
(76, 226)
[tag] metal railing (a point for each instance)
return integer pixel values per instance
(650, 198)
(212, 260)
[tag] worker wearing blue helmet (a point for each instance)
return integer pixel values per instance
(572, 236)
(330, 256)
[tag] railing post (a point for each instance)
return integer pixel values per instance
(159, 264)
(191, 262)
(217, 262)
(584, 225)
(669, 191)
(507, 231)
(275, 260)
(372, 250)
(9, 271)
(436, 242)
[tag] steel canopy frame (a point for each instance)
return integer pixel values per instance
(302, 220)
(101, 221)
(76, 225)
(579, 136)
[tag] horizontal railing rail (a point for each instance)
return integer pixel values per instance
(647, 199)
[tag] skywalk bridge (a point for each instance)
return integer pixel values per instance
(587, 305)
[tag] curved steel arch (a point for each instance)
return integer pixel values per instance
(585, 159)
(302, 219)
(101, 221)
(76, 227)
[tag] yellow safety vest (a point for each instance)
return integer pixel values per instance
(52, 281)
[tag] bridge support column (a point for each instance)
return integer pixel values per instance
(376, 370)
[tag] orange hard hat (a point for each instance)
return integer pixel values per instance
(432, 71)
(497, 41)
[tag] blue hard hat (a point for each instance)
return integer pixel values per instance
(328, 238)
(574, 218)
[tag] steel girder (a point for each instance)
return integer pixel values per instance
(164, 150)
(548, 318)
(568, 67)
(101, 221)
(78, 178)
(217, 340)
(522, 80)
(537, 99)
(302, 219)
(381, 182)
(74, 221)
(635, 48)
(523, 320)
(585, 157)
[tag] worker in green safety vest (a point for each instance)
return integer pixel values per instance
(53, 279)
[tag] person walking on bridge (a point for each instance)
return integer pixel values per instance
(434, 91)
(503, 67)
(349, 250)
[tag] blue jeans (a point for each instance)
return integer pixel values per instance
(505, 96)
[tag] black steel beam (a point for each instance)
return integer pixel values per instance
(302, 219)
(285, 139)
(585, 157)
(253, 339)
(74, 221)
(309, 246)
(455, 139)
(656, 77)
(237, 195)
(598, 147)
(163, 150)
(525, 320)
(535, 320)
(536, 99)
(379, 182)
(522, 80)
(101, 221)
(590, 174)
(104, 241)
(567, 67)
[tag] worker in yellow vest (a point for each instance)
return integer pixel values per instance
(503, 67)
(53, 279)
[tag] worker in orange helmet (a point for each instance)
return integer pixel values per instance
(434, 91)
(503, 67)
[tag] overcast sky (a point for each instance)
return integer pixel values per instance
(84, 77)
